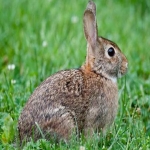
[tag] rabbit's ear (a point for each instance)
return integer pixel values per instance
(90, 25)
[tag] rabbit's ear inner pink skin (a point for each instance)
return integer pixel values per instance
(90, 28)
(90, 25)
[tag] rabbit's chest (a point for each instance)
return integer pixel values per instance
(103, 107)
(104, 112)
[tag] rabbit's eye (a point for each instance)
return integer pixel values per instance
(111, 52)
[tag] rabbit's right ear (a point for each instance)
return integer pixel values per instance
(90, 25)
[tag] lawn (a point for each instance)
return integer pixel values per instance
(39, 38)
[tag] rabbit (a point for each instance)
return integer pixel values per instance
(83, 100)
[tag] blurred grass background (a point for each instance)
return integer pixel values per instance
(38, 38)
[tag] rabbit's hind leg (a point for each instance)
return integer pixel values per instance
(60, 124)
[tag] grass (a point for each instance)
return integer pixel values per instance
(38, 38)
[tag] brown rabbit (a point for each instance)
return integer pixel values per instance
(81, 100)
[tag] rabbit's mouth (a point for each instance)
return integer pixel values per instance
(122, 70)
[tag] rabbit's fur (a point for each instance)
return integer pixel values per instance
(79, 100)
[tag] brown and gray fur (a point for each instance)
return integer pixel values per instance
(82, 100)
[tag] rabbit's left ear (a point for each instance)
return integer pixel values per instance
(90, 25)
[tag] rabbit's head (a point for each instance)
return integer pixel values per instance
(103, 56)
